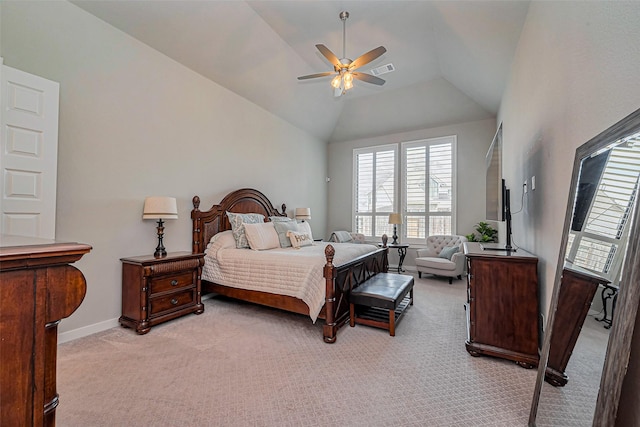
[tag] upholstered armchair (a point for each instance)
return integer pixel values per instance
(443, 256)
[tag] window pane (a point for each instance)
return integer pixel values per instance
(441, 178)
(416, 179)
(364, 184)
(385, 181)
(415, 227)
(428, 190)
(363, 225)
(595, 255)
(383, 226)
(439, 225)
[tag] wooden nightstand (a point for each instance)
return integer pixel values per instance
(155, 290)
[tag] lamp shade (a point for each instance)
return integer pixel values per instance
(160, 208)
(303, 213)
(395, 218)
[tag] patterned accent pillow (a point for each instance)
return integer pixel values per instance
(237, 222)
(299, 240)
(448, 252)
(279, 219)
(261, 236)
(282, 227)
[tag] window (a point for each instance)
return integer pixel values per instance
(420, 183)
(428, 188)
(598, 243)
(375, 189)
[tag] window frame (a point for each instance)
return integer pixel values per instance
(400, 197)
(427, 142)
(354, 187)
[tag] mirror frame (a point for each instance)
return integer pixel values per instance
(621, 333)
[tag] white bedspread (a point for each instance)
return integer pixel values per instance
(283, 271)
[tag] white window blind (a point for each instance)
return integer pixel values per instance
(599, 246)
(375, 189)
(428, 188)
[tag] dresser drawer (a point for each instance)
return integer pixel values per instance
(173, 301)
(172, 282)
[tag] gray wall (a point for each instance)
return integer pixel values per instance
(134, 123)
(575, 74)
(473, 140)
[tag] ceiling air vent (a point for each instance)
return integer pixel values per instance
(384, 69)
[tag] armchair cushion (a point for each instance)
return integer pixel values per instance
(448, 252)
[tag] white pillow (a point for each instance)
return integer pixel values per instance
(305, 227)
(222, 240)
(262, 236)
(299, 240)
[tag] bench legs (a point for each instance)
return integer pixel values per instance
(391, 325)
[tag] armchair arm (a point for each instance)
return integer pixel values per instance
(459, 259)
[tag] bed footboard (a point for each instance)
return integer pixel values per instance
(340, 280)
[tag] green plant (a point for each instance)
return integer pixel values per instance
(484, 233)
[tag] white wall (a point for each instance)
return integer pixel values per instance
(134, 123)
(473, 140)
(575, 74)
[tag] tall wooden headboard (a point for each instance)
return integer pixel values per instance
(210, 222)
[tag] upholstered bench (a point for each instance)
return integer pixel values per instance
(381, 300)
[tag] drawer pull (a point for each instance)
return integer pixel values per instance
(174, 283)
(174, 301)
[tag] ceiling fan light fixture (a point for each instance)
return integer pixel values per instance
(337, 81)
(345, 67)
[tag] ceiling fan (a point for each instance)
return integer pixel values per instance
(344, 68)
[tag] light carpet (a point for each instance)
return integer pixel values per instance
(239, 364)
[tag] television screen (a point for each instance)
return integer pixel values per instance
(494, 199)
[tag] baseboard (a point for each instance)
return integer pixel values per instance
(95, 328)
(87, 330)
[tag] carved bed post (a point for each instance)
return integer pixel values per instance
(195, 245)
(329, 329)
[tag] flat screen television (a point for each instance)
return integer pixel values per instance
(498, 198)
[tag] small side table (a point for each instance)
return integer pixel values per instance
(155, 290)
(402, 252)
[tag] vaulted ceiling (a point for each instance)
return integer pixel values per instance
(451, 58)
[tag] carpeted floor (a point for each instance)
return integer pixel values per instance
(242, 365)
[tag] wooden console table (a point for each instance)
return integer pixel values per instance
(38, 288)
(502, 304)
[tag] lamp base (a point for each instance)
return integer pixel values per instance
(160, 250)
(395, 235)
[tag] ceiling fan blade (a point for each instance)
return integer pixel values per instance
(313, 76)
(368, 78)
(367, 57)
(331, 57)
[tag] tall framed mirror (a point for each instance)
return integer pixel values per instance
(583, 362)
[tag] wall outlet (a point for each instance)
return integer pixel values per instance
(524, 186)
(533, 183)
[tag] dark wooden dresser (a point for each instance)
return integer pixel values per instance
(578, 287)
(502, 304)
(38, 288)
(155, 290)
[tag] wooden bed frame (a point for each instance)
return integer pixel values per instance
(339, 279)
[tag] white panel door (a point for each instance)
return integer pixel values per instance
(28, 154)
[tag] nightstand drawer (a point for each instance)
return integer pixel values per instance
(171, 302)
(172, 282)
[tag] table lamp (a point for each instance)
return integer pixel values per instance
(303, 213)
(395, 219)
(160, 208)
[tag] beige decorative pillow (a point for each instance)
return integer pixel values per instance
(262, 236)
(299, 240)
(305, 227)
